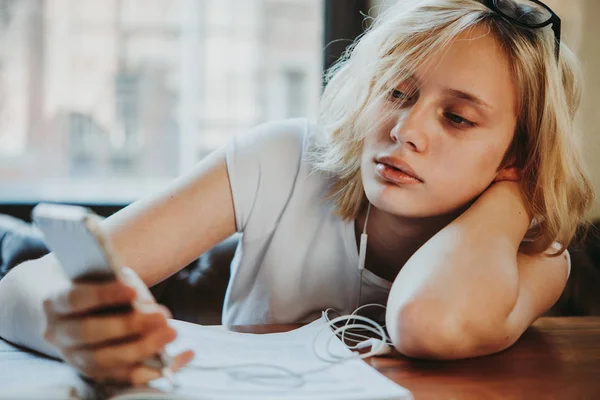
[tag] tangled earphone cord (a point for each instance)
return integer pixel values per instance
(285, 377)
(344, 335)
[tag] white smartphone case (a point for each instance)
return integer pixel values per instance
(77, 240)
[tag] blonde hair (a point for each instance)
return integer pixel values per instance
(554, 181)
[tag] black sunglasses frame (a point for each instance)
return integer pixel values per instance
(554, 20)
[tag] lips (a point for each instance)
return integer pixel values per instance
(396, 170)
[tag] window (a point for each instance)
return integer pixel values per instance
(296, 97)
(106, 101)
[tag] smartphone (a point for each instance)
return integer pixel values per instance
(75, 236)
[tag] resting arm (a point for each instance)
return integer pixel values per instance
(467, 291)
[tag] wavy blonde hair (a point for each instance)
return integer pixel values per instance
(554, 181)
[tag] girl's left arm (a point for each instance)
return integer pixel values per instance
(468, 291)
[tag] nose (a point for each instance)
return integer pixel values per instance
(410, 128)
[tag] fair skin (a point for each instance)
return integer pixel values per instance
(462, 289)
(441, 304)
(424, 133)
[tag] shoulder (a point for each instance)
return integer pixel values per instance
(264, 166)
(272, 153)
(282, 136)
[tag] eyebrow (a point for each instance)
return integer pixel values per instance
(457, 93)
(469, 97)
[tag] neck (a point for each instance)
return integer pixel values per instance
(394, 239)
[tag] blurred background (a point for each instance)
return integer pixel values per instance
(105, 101)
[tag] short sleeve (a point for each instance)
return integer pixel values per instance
(263, 166)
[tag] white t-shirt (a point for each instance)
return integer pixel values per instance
(296, 257)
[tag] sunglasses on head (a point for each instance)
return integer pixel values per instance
(528, 14)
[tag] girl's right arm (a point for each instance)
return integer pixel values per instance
(155, 237)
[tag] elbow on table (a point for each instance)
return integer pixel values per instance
(420, 331)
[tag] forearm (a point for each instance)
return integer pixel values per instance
(22, 291)
(462, 284)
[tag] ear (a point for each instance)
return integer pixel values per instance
(512, 174)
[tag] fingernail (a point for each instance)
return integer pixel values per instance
(151, 308)
(147, 308)
(170, 335)
(166, 312)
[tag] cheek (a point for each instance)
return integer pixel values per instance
(484, 163)
(468, 173)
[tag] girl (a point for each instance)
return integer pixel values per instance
(446, 135)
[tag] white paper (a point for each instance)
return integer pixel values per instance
(27, 376)
(218, 347)
(23, 374)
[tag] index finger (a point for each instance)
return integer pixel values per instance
(87, 297)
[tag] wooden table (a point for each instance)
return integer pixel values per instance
(557, 358)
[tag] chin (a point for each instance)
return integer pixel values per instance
(407, 210)
(407, 202)
(393, 200)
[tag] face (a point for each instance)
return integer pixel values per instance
(442, 148)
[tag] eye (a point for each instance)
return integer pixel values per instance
(459, 121)
(397, 95)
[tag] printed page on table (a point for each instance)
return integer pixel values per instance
(230, 365)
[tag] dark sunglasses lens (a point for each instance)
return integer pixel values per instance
(524, 11)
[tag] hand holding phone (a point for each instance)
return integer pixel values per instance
(107, 324)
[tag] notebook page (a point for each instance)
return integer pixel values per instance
(257, 355)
